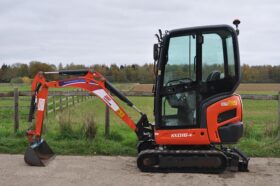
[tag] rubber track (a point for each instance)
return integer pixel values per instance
(158, 153)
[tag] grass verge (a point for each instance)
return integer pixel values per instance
(66, 131)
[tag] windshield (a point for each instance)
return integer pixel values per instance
(217, 58)
(180, 67)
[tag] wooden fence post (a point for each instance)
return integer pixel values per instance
(107, 121)
(16, 114)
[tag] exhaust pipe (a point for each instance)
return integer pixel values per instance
(38, 154)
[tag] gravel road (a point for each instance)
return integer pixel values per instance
(119, 170)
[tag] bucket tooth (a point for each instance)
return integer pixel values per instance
(38, 154)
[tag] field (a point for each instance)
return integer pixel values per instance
(6, 87)
(250, 88)
(66, 131)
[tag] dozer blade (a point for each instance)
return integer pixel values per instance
(38, 154)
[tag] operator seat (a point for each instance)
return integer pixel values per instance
(213, 76)
(185, 103)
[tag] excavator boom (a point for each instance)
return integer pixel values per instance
(90, 81)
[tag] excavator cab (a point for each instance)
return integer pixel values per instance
(195, 66)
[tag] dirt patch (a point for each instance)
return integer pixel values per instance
(119, 170)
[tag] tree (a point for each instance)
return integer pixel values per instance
(23, 70)
(36, 66)
(132, 73)
(6, 73)
(60, 66)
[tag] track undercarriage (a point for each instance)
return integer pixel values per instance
(210, 160)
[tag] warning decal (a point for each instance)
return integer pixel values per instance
(41, 104)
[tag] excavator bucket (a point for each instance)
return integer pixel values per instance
(38, 154)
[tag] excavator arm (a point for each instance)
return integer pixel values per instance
(90, 81)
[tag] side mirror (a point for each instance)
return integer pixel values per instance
(155, 52)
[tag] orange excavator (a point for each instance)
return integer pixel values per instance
(197, 114)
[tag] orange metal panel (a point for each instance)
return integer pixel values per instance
(221, 106)
(182, 137)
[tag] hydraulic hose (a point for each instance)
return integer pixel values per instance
(118, 93)
(33, 104)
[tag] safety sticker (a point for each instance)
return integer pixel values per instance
(106, 98)
(41, 104)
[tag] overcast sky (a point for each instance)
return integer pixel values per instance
(122, 32)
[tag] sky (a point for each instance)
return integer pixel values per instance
(122, 31)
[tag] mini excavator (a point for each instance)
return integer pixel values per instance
(197, 114)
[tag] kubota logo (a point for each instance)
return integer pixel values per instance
(181, 135)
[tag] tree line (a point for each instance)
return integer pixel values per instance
(23, 73)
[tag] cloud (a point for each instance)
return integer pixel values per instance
(122, 32)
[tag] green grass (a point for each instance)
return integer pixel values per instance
(260, 118)
(122, 141)
(5, 87)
